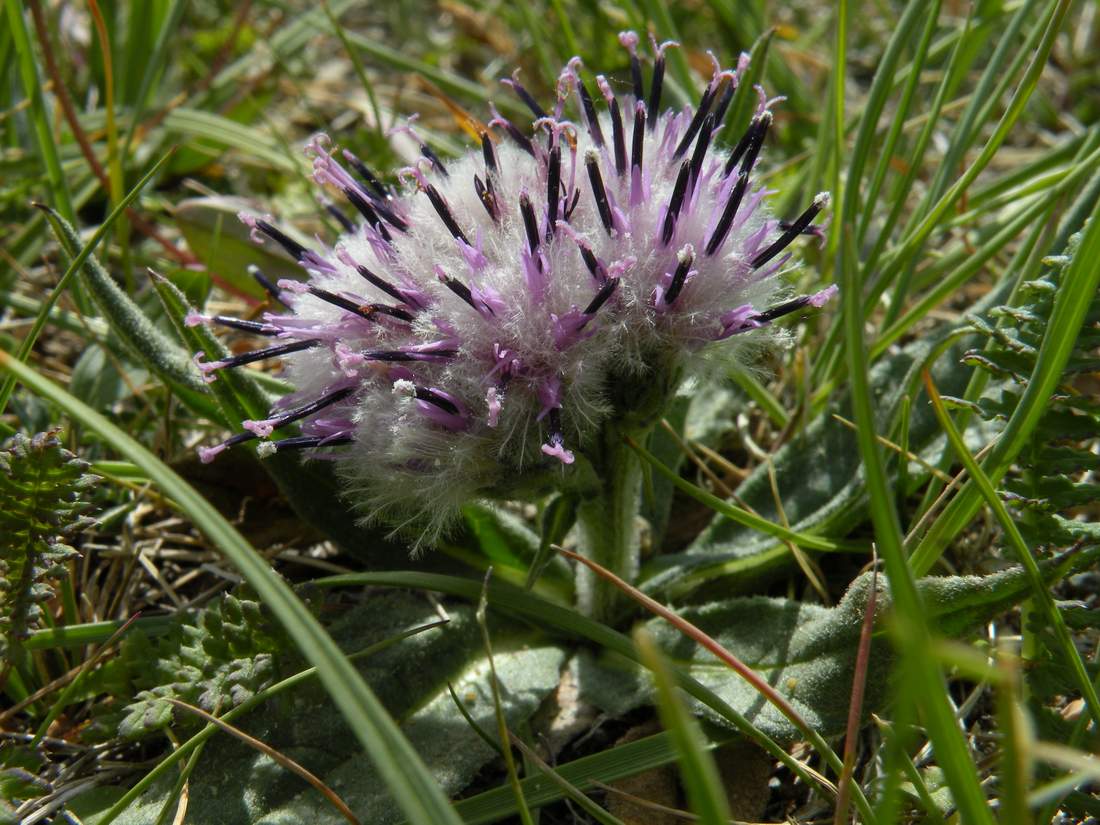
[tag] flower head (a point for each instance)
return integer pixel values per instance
(476, 328)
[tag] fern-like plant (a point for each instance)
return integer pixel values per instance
(1055, 466)
(215, 659)
(43, 487)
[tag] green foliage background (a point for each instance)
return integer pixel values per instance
(961, 145)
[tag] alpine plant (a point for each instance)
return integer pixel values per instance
(498, 323)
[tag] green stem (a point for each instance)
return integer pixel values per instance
(608, 518)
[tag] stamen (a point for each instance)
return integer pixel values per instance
(590, 113)
(368, 212)
(572, 204)
(553, 185)
(724, 103)
(255, 327)
(263, 354)
(303, 442)
(290, 416)
(617, 135)
(750, 144)
(403, 355)
(697, 121)
(655, 89)
(458, 288)
(728, 213)
(701, 147)
(524, 95)
(366, 174)
(679, 277)
(444, 213)
(592, 262)
(637, 143)
(434, 159)
(675, 202)
(592, 162)
(515, 134)
(821, 200)
(364, 311)
(530, 224)
(268, 287)
(340, 217)
(488, 153)
(432, 397)
(487, 198)
(382, 284)
(390, 218)
(605, 293)
(636, 75)
(782, 309)
(292, 247)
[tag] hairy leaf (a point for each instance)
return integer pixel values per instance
(234, 784)
(805, 650)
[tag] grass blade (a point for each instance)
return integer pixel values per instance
(697, 769)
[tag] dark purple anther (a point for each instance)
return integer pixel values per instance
(592, 162)
(779, 311)
(292, 247)
(697, 121)
(487, 198)
(433, 158)
(488, 154)
(340, 217)
(263, 354)
(728, 213)
(655, 89)
(368, 212)
(676, 202)
(679, 277)
(572, 204)
(724, 104)
(303, 442)
(525, 96)
(590, 113)
(400, 356)
(326, 400)
(515, 134)
(362, 310)
(784, 240)
(750, 144)
(553, 187)
(636, 75)
(268, 287)
(637, 143)
(617, 135)
(605, 293)
(366, 174)
(444, 213)
(530, 223)
(593, 264)
(382, 284)
(433, 397)
(701, 147)
(462, 291)
(255, 327)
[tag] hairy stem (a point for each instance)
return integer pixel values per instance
(608, 517)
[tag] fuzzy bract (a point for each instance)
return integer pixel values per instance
(476, 327)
